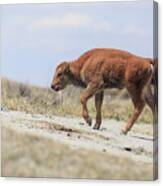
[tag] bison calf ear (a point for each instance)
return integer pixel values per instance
(66, 67)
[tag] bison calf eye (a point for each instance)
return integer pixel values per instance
(60, 74)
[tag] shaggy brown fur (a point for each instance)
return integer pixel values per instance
(99, 69)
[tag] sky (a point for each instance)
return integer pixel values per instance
(35, 38)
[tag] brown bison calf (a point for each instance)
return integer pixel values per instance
(99, 69)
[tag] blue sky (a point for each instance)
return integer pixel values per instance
(37, 37)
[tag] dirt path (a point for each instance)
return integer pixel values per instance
(137, 145)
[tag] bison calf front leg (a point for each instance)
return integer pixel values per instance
(98, 103)
(88, 93)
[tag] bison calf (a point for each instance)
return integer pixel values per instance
(99, 69)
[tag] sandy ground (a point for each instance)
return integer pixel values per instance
(136, 147)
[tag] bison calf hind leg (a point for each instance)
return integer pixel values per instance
(149, 99)
(139, 103)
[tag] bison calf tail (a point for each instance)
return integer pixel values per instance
(151, 72)
(154, 80)
(154, 63)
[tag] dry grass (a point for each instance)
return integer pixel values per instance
(32, 99)
(28, 155)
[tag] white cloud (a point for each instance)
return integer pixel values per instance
(68, 20)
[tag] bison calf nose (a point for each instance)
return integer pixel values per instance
(53, 86)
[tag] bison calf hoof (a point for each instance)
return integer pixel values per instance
(124, 132)
(89, 121)
(96, 127)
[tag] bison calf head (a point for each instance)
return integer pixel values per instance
(61, 78)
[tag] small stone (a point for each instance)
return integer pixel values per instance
(103, 129)
(81, 123)
(128, 149)
(68, 134)
(104, 150)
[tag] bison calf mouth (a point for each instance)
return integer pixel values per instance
(54, 87)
